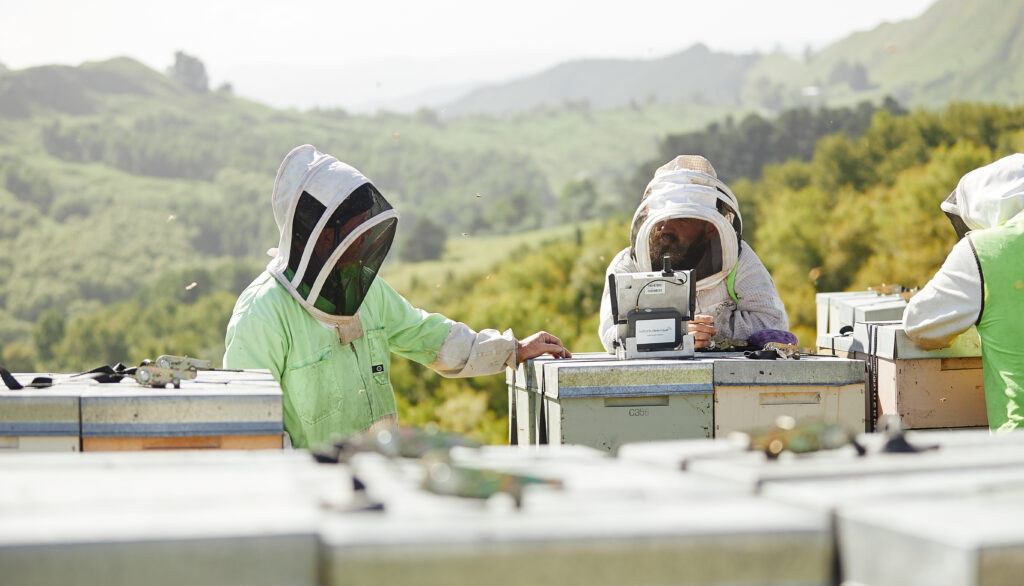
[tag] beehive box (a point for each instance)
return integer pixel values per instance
(39, 419)
(849, 311)
(887, 309)
(827, 308)
(952, 463)
(955, 541)
(846, 308)
(751, 394)
(524, 399)
(926, 389)
(598, 401)
(216, 410)
(677, 454)
(161, 518)
(695, 541)
(54, 480)
(586, 477)
(755, 470)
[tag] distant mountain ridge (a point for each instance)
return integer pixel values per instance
(954, 51)
(615, 83)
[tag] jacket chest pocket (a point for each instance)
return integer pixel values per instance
(313, 387)
(380, 356)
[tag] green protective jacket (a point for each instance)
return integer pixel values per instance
(1000, 253)
(330, 390)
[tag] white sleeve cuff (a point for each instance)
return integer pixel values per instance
(467, 353)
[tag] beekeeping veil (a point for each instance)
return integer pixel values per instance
(987, 196)
(687, 188)
(336, 229)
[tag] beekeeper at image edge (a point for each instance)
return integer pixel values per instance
(325, 325)
(981, 283)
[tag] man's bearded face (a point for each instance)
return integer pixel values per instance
(683, 240)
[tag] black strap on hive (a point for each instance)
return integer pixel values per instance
(107, 374)
(101, 374)
(39, 382)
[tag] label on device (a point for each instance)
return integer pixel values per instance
(655, 331)
(654, 288)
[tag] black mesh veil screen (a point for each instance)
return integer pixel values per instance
(308, 212)
(346, 286)
(349, 279)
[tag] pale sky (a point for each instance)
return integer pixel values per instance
(359, 55)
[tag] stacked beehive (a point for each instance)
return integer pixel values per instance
(217, 409)
(595, 400)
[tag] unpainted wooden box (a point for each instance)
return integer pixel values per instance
(752, 394)
(926, 389)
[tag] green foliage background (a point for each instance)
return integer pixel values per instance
(134, 211)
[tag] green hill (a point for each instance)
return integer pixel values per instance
(956, 50)
(696, 75)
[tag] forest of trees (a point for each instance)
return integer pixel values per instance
(742, 149)
(863, 210)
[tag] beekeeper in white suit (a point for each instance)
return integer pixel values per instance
(325, 325)
(690, 216)
(981, 284)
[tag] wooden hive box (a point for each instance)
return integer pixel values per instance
(927, 389)
(216, 410)
(752, 394)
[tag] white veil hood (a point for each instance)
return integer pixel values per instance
(989, 196)
(688, 187)
(325, 182)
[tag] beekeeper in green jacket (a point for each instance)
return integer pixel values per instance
(981, 284)
(325, 325)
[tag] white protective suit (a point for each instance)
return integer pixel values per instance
(688, 187)
(952, 301)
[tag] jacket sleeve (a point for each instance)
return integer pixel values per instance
(759, 306)
(451, 348)
(606, 329)
(469, 353)
(950, 303)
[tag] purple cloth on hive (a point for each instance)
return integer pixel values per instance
(761, 337)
